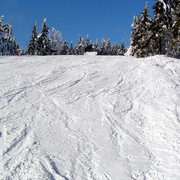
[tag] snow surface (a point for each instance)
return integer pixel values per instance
(89, 118)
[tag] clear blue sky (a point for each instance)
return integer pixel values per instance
(97, 18)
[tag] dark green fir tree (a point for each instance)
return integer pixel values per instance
(32, 47)
(71, 50)
(44, 42)
(88, 42)
(108, 47)
(133, 50)
(141, 34)
(64, 49)
(162, 36)
(122, 49)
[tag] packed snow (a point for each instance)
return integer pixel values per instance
(89, 118)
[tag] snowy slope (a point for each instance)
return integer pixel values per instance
(89, 118)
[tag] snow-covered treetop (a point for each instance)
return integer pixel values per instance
(0, 20)
(45, 19)
(145, 17)
(88, 42)
(1, 17)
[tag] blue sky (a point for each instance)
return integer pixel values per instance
(97, 18)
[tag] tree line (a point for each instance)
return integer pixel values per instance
(46, 44)
(159, 35)
(149, 36)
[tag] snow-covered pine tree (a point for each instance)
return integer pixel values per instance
(102, 50)
(57, 41)
(10, 47)
(145, 33)
(141, 34)
(113, 50)
(64, 49)
(71, 50)
(76, 47)
(108, 47)
(8, 39)
(122, 49)
(118, 49)
(161, 29)
(88, 42)
(44, 42)
(134, 36)
(95, 45)
(76, 50)
(79, 48)
(32, 47)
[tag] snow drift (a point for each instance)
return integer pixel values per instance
(89, 117)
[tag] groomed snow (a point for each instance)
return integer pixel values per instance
(89, 118)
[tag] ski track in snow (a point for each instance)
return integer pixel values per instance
(89, 118)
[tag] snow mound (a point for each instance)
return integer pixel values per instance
(90, 53)
(79, 117)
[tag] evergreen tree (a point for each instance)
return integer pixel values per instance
(9, 46)
(57, 41)
(108, 48)
(71, 50)
(79, 48)
(32, 47)
(95, 45)
(76, 50)
(145, 44)
(141, 35)
(64, 50)
(113, 50)
(122, 49)
(88, 42)
(102, 50)
(44, 42)
(134, 36)
(118, 49)
(161, 29)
